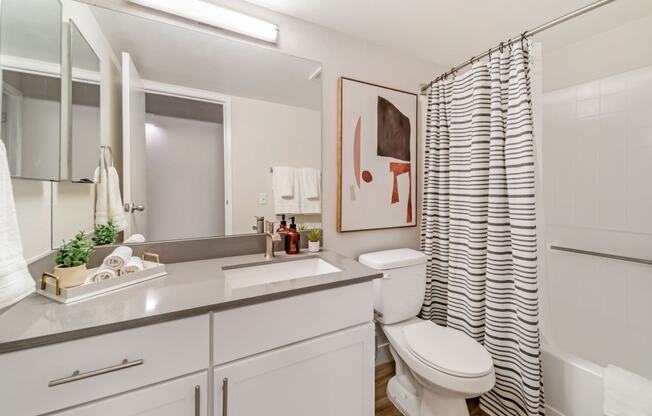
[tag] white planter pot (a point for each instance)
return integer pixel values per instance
(313, 246)
(71, 276)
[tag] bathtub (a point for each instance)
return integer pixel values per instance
(572, 385)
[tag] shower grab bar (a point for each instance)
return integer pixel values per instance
(605, 255)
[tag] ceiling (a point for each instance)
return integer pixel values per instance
(450, 31)
(174, 55)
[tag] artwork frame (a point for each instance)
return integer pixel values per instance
(361, 206)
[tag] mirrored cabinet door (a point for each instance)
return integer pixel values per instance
(30, 58)
(85, 108)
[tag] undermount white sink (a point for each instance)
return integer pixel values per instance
(276, 272)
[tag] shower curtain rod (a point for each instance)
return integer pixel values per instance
(527, 33)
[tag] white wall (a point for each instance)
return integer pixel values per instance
(264, 135)
(340, 55)
(612, 52)
(185, 178)
(597, 153)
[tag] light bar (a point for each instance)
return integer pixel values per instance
(216, 16)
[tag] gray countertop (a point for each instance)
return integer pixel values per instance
(190, 288)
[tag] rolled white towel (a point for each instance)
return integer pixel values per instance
(134, 265)
(118, 258)
(135, 238)
(102, 273)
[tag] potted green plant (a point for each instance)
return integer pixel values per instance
(105, 234)
(314, 236)
(72, 257)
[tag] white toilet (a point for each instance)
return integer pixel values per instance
(437, 368)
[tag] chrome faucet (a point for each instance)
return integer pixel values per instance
(270, 237)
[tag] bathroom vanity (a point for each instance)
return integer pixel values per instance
(225, 336)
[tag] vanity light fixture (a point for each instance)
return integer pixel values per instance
(216, 16)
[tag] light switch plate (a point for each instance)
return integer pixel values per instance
(262, 198)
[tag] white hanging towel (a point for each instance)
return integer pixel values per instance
(283, 181)
(286, 204)
(626, 393)
(15, 280)
(108, 201)
(118, 258)
(310, 190)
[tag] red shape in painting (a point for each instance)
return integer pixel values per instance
(399, 169)
(356, 151)
(367, 176)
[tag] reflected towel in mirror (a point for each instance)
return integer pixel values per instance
(291, 204)
(135, 238)
(108, 201)
(283, 181)
(310, 190)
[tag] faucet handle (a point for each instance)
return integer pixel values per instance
(269, 226)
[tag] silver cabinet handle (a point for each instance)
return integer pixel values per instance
(76, 375)
(197, 397)
(225, 396)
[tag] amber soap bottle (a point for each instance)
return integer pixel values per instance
(292, 239)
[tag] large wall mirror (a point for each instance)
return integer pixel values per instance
(197, 124)
(30, 58)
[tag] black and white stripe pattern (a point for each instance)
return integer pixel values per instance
(478, 227)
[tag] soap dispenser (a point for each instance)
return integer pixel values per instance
(283, 228)
(292, 239)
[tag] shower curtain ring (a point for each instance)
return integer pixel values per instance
(501, 46)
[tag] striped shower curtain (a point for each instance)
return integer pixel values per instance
(478, 224)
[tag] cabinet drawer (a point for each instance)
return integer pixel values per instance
(249, 330)
(186, 396)
(39, 380)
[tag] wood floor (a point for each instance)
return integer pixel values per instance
(385, 408)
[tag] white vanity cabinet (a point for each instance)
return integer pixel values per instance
(308, 354)
(181, 397)
(311, 354)
(331, 375)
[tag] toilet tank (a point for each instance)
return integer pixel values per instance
(399, 294)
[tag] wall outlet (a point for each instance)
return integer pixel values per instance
(262, 198)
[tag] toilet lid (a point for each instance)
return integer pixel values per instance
(447, 350)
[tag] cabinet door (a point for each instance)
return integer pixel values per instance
(185, 396)
(331, 375)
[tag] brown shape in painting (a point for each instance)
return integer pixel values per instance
(399, 169)
(393, 131)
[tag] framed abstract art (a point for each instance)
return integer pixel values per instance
(377, 157)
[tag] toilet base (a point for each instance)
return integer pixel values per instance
(425, 402)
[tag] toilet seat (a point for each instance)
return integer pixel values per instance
(447, 350)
